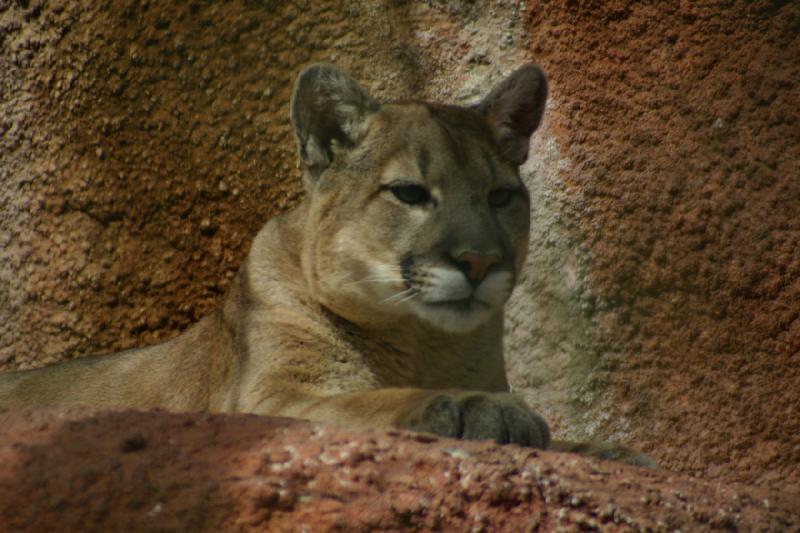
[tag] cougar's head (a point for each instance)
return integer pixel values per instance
(417, 213)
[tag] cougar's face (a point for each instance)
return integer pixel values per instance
(422, 221)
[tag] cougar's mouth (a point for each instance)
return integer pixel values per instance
(444, 298)
(463, 305)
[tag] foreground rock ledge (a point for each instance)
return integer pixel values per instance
(79, 470)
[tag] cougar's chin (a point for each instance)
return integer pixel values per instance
(454, 316)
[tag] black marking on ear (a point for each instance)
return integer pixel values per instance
(423, 161)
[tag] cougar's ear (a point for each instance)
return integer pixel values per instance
(327, 106)
(514, 109)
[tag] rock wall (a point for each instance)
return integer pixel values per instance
(681, 195)
(143, 144)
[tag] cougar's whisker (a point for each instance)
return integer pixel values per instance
(406, 298)
(376, 279)
(393, 299)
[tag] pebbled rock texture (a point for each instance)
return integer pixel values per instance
(682, 128)
(73, 471)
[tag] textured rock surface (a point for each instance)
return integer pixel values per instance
(143, 144)
(60, 470)
(682, 131)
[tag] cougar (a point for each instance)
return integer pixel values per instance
(378, 301)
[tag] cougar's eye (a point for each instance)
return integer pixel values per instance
(410, 193)
(501, 197)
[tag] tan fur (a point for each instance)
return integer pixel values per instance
(314, 325)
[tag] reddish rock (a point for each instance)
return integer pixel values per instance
(68, 470)
(682, 122)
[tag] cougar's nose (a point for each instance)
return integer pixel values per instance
(476, 265)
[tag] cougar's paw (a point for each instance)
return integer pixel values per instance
(478, 416)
